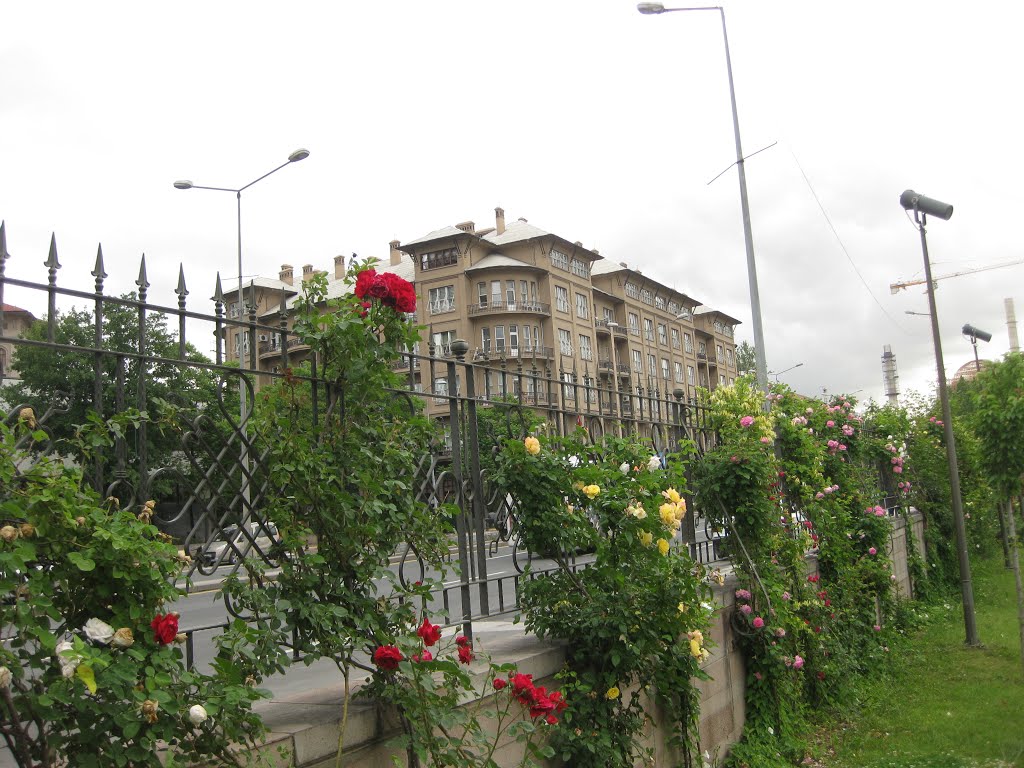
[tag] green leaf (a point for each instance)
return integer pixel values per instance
(85, 674)
(83, 562)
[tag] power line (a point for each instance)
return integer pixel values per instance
(842, 245)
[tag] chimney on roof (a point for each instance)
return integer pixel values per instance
(286, 273)
(595, 251)
(499, 220)
(307, 272)
(339, 267)
(396, 255)
(466, 226)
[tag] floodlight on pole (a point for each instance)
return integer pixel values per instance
(923, 207)
(974, 334)
(760, 361)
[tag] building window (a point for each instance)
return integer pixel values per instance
(632, 291)
(441, 300)
(649, 329)
(638, 361)
(586, 353)
(675, 338)
(721, 379)
(702, 349)
(513, 340)
(634, 324)
(646, 297)
(443, 342)
(499, 338)
(659, 302)
(568, 390)
(582, 306)
(719, 354)
(510, 292)
(662, 335)
(688, 343)
(718, 326)
(609, 315)
(664, 369)
(481, 289)
(565, 342)
(728, 356)
(561, 298)
(579, 268)
(437, 259)
(652, 365)
(495, 293)
(686, 313)
(689, 375)
(559, 260)
(673, 307)
(679, 373)
(485, 339)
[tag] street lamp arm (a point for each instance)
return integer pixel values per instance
(261, 178)
(215, 189)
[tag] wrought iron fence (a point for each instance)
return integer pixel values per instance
(210, 478)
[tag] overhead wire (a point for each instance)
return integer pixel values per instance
(843, 245)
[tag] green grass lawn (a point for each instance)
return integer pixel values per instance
(944, 705)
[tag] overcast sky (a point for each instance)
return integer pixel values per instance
(584, 117)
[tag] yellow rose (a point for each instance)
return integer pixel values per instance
(663, 546)
(682, 607)
(695, 649)
(591, 490)
(672, 495)
(636, 511)
(680, 509)
(704, 654)
(612, 694)
(696, 634)
(646, 537)
(532, 445)
(667, 512)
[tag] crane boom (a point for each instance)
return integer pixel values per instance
(897, 287)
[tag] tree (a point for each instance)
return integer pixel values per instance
(66, 379)
(745, 358)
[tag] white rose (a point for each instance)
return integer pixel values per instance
(98, 631)
(197, 714)
(68, 664)
(624, 467)
(5, 677)
(654, 463)
(574, 461)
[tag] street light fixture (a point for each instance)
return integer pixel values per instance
(760, 363)
(923, 207)
(776, 374)
(294, 157)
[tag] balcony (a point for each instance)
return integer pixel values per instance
(509, 307)
(269, 349)
(493, 355)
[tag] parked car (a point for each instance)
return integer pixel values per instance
(221, 552)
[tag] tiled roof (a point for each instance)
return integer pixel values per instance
(437, 234)
(12, 308)
(514, 232)
(496, 260)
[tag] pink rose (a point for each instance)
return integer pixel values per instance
(758, 622)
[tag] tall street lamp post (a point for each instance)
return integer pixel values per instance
(294, 157)
(923, 207)
(760, 363)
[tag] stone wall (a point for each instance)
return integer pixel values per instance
(304, 728)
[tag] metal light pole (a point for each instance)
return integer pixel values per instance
(294, 157)
(612, 325)
(760, 363)
(922, 207)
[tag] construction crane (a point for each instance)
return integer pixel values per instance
(897, 287)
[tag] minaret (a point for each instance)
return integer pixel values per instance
(890, 379)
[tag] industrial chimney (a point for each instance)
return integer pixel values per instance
(890, 379)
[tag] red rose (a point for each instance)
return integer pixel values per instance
(552, 720)
(165, 627)
(430, 633)
(560, 703)
(465, 653)
(425, 656)
(363, 282)
(400, 294)
(499, 683)
(461, 640)
(521, 682)
(387, 657)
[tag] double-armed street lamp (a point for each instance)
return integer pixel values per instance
(776, 374)
(760, 363)
(294, 157)
(923, 207)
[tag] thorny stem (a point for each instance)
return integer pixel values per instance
(344, 717)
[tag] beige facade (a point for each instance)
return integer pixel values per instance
(15, 322)
(538, 312)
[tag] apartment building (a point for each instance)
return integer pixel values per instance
(15, 322)
(546, 320)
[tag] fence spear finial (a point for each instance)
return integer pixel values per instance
(218, 292)
(98, 271)
(142, 282)
(181, 290)
(52, 261)
(4, 255)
